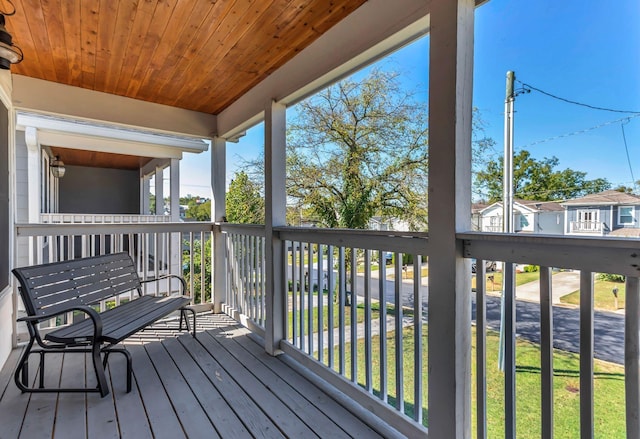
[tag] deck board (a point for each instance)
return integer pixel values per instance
(75, 420)
(221, 384)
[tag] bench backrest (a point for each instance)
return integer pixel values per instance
(50, 288)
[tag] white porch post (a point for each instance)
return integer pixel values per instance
(159, 192)
(33, 171)
(275, 215)
(174, 190)
(450, 94)
(218, 212)
(145, 187)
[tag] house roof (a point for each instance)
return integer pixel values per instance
(530, 205)
(606, 198)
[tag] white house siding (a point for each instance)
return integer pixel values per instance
(550, 223)
(22, 196)
(6, 324)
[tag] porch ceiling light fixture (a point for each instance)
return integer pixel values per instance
(57, 168)
(9, 53)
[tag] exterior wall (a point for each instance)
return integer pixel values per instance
(636, 218)
(6, 324)
(524, 222)
(608, 216)
(550, 223)
(99, 190)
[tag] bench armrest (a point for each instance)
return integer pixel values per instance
(92, 313)
(183, 283)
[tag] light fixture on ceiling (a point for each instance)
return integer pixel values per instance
(57, 168)
(9, 53)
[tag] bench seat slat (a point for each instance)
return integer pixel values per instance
(45, 285)
(122, 321)
(45, 269)
(86, 296)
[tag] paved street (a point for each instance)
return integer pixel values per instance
(608, 328)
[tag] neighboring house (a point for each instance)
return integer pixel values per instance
(476, 216)
(530, 216)
(608, 213)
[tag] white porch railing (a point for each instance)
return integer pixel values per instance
(95, 218)
(360, 324)
(157, 249)
(585, 227)
(589, 255)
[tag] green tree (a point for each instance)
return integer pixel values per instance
(198, 208)
(244, 203)
(359, 149)
(535, 179)
(198, 265)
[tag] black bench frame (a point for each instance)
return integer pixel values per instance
(53, 289)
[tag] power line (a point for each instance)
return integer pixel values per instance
(573, 133)
(626, 148)
(569, 101)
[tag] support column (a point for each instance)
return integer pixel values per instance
(33, 171)
(144, 194)
(275, 215)
(174, 190)
(159, 192)
(450, 112)
(218, 213)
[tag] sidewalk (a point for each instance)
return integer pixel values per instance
(562, 283)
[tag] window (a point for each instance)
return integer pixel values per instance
(625, 215)
(588, 216)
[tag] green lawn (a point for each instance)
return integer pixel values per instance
(608, 383)
(494, 280)
(602, 296)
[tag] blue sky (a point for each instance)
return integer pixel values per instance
(586, 51)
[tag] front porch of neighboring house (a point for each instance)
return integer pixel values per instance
(347, 344)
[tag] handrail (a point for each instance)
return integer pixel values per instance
(82, 229)
(608, 255)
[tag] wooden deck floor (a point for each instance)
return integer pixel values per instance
(221, 385)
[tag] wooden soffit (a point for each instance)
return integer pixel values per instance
(98, 159)
(199, 55)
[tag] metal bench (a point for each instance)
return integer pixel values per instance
(54, 289)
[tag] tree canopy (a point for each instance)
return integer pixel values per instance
(244, 203)
(535, 179)
(359, 149)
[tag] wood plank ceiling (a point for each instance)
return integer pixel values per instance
(195, 54)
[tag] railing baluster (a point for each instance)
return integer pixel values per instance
(330, 300)
(398, 334)
(302, 291)
(342, 297)
(368, 356)
(546, 351)
(632, 356)
(481, 350)
(310, 305)
(320, 254)
(586, 354)
(354, 316)
(417, 325)
(382, 289)
(294, 296)
(202, 266)
(509, 335)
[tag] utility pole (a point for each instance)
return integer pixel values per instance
(507, 174)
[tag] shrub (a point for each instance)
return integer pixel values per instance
(531, 268)
(611, 277)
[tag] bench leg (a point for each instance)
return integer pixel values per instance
(127, 356)
(103, 388)
(183, 315)
(21, 376)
